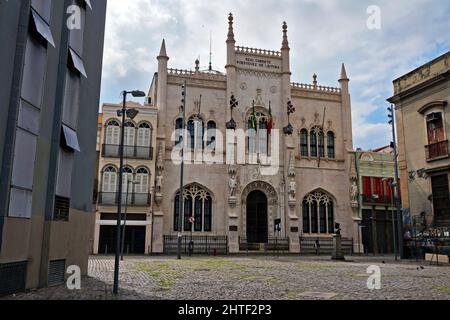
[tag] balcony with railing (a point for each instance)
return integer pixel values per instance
(130, 152)
(437, 151)
(134, 199)
(376, 199)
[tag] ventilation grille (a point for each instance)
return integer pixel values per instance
(62, 206)
(13, 277)
(56, 272)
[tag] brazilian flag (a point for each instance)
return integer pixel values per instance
(253, 119)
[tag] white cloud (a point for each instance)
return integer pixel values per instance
(322, 35)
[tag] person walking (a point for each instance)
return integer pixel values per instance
(317, 247)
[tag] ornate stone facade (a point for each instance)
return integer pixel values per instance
(315, 157)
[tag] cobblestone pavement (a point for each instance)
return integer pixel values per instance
(255, 278)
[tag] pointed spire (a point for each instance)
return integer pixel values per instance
(285, 36)
(163, 51)
(230, 28)
(343, 73)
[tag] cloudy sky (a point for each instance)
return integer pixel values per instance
(322, 35)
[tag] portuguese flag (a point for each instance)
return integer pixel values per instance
(270, 120)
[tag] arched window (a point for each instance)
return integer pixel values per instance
(313, 144)
(318, 214)
(109, 183)
(258, 140)
(127, 175)
(196, 130)
(197, 205)
(331, 151)
(317, 143)
(144, 137)
(211, 135)
(142, 181)
(178, 129)
(321, 144)
(304, 143)
(130, 133)
(112, 136)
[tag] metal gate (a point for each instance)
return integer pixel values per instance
(13, 277)
(56, 272)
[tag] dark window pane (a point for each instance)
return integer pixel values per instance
(208, 215)
(187, 214)
(331, 148)
(330, 218)
(176, 213)
(70, 139)
(198, 214)
(321, 145)
(306, 228)
(304, 143)
(314, 217)
(323, 218)
(41, 27)
(313, 138)
(76, 63)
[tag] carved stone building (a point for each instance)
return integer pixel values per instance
(264, 178)
(242, 200)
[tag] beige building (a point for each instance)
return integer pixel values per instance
(139, 177)
(421, 100)
(238, 203)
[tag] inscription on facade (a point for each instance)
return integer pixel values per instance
(258, 63)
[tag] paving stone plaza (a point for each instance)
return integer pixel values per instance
(254, 278)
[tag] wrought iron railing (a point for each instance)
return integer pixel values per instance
(134, 199)
(132, 152)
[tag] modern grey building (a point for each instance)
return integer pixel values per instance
(50, 73)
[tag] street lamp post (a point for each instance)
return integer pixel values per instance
(181, 214)
(124, 113)
(395, 183)
(125, 217)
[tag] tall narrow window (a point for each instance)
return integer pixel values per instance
(142, 177)
(127, 176)
(304, 143)
(251, 138)
(211, 135)
(306, 215)
(313, 144)
(321, 144)
(323, 217)
(208, 215)
(198, 214)
(331, 151)
(176, 213)
(109, 183)
(178, 131)
(130, 134)
(188, 213)
(191, 137)
(144, 135)
(263, 138)
(112, 133)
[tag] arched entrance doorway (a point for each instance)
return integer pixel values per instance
(257, 217)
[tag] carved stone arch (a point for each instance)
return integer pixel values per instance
(193, 188)
(320, 192)
(269, 190)
(272, 198)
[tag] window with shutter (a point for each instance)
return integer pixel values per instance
(112, 133)
(109, 180)
(142, 177)
(144, 135)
